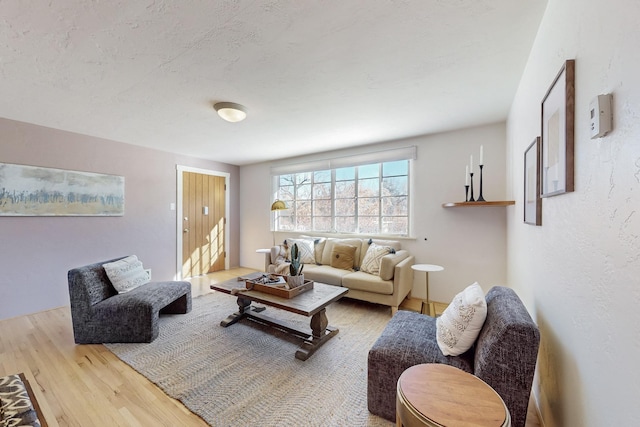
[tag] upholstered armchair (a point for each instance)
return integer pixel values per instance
(504, 355)
(101, 315)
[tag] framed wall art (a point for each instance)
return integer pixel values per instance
(558, 107)
(39, 191)
(532, 200)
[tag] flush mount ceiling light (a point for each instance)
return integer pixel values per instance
(230, 111)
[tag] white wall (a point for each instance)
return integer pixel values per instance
(469, 242)
(580, 271)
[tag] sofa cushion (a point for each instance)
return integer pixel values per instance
(318, 245)
(328, 249)
(326, 274)
(367, 282)
(388, 264)
(373, 258)
(343, 256)
(126, 274)
(395, 244)
(306, 249)
(462, 320)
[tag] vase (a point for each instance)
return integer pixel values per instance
(295, 281)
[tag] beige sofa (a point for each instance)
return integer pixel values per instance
(389, 286)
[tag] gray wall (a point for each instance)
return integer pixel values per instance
(37, 252)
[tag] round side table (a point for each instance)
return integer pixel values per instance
(439, 395)
(427, 307)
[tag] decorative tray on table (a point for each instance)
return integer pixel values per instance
(276, 284)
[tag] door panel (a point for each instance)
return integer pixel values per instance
(203, 238)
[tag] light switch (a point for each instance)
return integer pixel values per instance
(172, 206)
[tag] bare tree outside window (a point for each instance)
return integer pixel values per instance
(367, 199)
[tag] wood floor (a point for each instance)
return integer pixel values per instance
(86, 385)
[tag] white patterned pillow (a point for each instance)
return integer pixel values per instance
(460, 324)
(373, 258)
(126, 274)
(306, 249)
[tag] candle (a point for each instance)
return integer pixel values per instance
(466, 175)
(471, 163)
(481, 155)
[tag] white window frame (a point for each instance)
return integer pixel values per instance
(368, 158)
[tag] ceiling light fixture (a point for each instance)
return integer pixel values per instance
(230, 111)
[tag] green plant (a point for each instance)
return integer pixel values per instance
(295, 268)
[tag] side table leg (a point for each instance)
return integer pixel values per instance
(426, 305)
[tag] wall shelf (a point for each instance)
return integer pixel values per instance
(478, 204)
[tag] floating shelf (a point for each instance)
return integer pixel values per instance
(479, 204)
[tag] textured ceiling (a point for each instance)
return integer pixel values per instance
(314, 75)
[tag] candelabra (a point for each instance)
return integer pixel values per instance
(466, 193)
(471, 199)
(480, 198)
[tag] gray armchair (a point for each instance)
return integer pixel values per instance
(504, 355)
(101, 315)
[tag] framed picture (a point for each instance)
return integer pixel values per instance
(40, 191)
(558, 108)
(532, 200)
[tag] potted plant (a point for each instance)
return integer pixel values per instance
(295, 278)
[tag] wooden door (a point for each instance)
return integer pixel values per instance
(203, 235)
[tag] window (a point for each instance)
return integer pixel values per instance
(367, 198)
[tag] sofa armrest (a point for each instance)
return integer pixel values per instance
(388, 264)
(403, 279)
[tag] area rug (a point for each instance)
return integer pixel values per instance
(246, 375)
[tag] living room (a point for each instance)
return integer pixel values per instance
(577, 273)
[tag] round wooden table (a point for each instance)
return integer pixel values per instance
(439, 395)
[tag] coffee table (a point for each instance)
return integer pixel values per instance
(311, 303)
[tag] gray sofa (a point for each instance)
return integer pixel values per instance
(101, 315)
(390, 287)
(504, 355)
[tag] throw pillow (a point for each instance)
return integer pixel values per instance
(306, 249)
(126, 274)
(460, 324)
(343, 256)
(373, 258)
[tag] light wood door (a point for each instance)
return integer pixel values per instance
(203, 224)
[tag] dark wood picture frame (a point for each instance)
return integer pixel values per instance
(532, 200)
(557, 137)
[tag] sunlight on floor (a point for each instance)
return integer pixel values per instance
(200, 285)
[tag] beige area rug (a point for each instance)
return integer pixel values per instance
(243, 375)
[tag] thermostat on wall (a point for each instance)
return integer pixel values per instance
(601, 118)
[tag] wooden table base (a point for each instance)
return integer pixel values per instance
(320, 332)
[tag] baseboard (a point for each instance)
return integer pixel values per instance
(536, 406)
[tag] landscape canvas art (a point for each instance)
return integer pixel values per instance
(39, 191)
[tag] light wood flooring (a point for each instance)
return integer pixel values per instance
(86, 385)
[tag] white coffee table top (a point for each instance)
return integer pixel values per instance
(427, 267)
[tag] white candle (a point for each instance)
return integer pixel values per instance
(471, 163)
(466, 175)
(481, 155)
